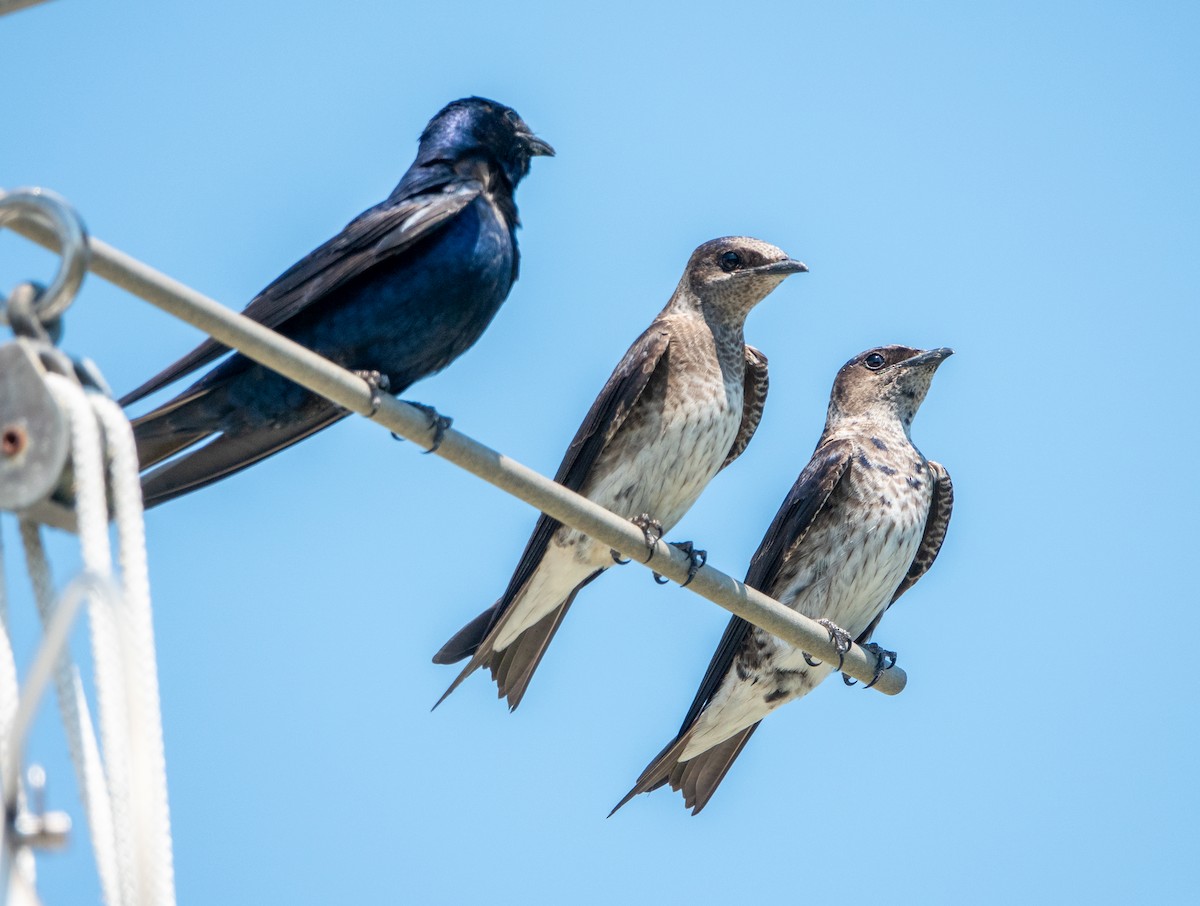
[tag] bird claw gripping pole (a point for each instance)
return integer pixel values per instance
(696, 559)
(439, 424)
(652, 532)
(842, 642)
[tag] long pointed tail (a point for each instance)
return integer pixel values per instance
(698, 777)
(228, 454)
(512, 667)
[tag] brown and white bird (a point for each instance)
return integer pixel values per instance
(682, 404)
(863, 522)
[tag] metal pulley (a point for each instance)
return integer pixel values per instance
(34, 431)
(34, 438)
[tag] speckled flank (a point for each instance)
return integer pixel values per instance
(665, 453)
(681, 431)
(861, 524)
(845, 571)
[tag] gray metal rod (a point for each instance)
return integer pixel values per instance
(11, 6)
(351, 392)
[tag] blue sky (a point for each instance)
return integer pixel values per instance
(1015, 180)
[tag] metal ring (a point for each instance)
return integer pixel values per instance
(51, 211)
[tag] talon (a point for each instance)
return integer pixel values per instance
(850, 681)
(437, 422)
(661, 580)
(884, 660)
(840, 638)
(652, 532)
(696, 559)
(808, 659)
(617, 558)
(376, 381)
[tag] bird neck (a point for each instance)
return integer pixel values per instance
(724, 326)
(884, 425)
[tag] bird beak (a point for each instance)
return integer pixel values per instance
(780, 268)
(934, 356)
(537, 147)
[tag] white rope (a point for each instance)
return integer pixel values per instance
(153, 825)
(77, 724)
(9, 689)
(124, 792)
(91, 509)
(9, 696)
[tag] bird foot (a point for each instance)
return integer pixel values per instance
(377, 381)
(841, 639)
(438, 422)
(696, 559)
(884, 660)
(652, 531)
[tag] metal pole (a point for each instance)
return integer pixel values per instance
(351, 392)
(11, 6)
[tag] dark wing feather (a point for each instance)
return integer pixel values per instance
(512, 668)
(803, 504)
(699, 776)
(752, 404)
(604, 419)
(622, 391)
(805, 500)
(384, 231)
(936, 524)
(227, 455)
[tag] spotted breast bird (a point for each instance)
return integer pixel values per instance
(402, 291)
(682, 404)
(863, 522)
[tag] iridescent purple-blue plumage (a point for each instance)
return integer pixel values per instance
(403, 290)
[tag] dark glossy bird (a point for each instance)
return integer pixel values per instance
(682, 404)
(863, 522)
(402, 291)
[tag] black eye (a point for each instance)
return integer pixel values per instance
(731, 261)
(874, 361)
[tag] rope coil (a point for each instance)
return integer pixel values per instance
(121, 776)
(122, 779)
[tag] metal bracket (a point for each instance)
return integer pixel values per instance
(51, 210)
(39, 828)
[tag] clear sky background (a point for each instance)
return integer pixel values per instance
(1018, 181)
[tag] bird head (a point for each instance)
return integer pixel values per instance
(731, 275)
(885, 380)
(473, 127)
